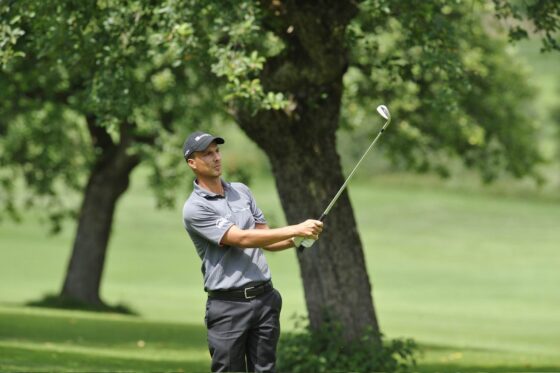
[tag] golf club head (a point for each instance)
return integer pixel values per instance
(384, 112)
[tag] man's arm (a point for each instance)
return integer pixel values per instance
(271, 239)
(278, 246)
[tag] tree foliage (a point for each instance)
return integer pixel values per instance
(146, 62)
(449, 84)
(79, 77)
(525, 18)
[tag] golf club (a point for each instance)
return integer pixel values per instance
(384, 112)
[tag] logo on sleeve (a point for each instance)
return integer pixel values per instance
(222, 223)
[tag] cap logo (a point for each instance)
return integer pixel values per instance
(187, 152)
(200, 136)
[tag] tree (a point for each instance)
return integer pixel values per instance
(289, 73)
(300, 143)
(92, 90)
(434, 66)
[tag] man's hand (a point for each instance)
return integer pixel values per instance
(309, 229)
(307, 233)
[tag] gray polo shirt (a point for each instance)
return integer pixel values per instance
(207, 217)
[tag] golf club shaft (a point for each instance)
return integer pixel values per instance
(331, 204)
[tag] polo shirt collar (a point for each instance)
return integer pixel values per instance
(206, 194)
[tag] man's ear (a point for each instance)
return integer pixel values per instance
(191, 163)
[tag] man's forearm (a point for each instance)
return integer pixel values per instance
(282, 245)
(265, 238)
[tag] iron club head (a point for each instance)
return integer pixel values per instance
(384, 112)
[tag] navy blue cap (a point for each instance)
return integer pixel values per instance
(199, 141)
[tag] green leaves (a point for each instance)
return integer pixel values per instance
(169, 65)
(325, 350)
(10, 32)
(118, 65)
(237, 54)
(448, 82)
(535, 17)
(45, 148)
(235, 65)
(237, 69)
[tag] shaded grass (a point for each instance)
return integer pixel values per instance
(59, 359)
(70, 340)
(62, 302)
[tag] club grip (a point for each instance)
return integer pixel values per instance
(321, 218)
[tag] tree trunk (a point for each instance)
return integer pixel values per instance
(301, 145)
(108, 180)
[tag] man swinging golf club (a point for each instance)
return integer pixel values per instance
(228, 231)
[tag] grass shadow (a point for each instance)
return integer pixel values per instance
(99, 330)
(68, 303)
(17, 359)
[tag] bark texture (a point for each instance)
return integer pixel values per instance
(301, 145)
(108, 180)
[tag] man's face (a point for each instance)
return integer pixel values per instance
(207, 162)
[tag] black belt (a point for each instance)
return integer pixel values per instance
(246, 293)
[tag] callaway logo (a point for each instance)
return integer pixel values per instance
(200, 136)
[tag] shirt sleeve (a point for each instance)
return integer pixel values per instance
(206, 223)
(255, 210)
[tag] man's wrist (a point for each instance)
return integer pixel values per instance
(293, 231)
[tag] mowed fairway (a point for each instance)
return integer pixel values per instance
(471, 274)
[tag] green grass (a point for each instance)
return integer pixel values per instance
(46, 340)
(470, 273)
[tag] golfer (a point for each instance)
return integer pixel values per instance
(228, 231)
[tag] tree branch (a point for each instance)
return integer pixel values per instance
(100, 138)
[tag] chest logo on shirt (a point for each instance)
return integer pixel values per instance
(239, 209)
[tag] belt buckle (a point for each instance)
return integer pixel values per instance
(245, 293)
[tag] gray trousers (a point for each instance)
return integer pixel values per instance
(242, 335)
